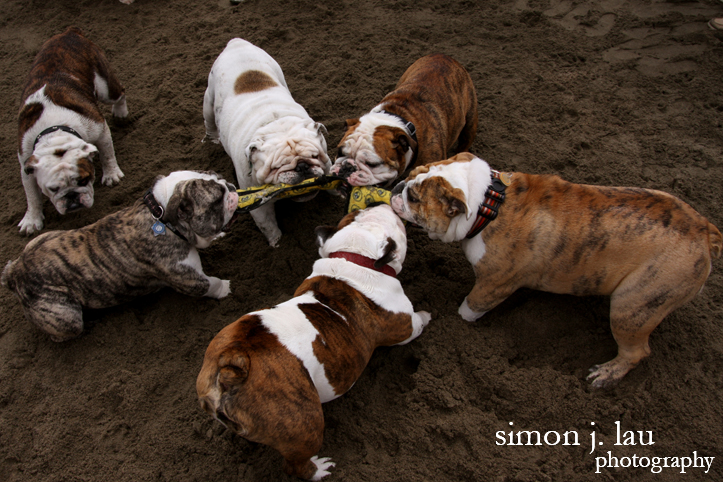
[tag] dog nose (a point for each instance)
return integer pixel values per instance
(73, 202)
(302, 168)
(398, 188)
(347, 169)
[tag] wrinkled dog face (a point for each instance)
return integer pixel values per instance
(204, 206)
(430, 201)
(289, 156)
(64, 171)
(372, 153)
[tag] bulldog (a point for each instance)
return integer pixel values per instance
(266, 375)
(647, 250)
(270, 138)
(433, 105)
(133, 252)
(61, 128)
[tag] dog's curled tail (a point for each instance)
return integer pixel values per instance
(715, 241)
(6, 278)
(233, 367)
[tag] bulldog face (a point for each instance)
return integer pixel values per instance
(372, 152)
(201, 205)
(286, 152)
(63, 169)
(436, 197)
(375, 232)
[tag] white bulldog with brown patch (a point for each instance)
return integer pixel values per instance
(61, 130)
(266, 375)
(270, 138)
(647, 250)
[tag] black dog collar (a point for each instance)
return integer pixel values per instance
(488, 210)
(157, 212)
(54, 129)
(407, 125)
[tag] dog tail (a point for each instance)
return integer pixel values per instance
(715, 241)
(233, 367)
(6, 279)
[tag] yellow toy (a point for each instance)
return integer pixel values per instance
(359, 197)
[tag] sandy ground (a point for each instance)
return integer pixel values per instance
(598, 91)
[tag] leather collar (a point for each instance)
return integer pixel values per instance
(488, 210)
(157, 212)
(54, 129)
(364, 262)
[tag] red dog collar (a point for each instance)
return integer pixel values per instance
(364, 261)
(488, 210)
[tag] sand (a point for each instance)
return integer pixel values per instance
(606, 92)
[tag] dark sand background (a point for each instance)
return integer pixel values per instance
(598, 91)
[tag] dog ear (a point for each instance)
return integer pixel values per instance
(178, 207)
(404, 141)
(323, 233)
(352, 122)
(233, 367)
(388, 256)
(321, 129)
(457, 204)
(30, 165)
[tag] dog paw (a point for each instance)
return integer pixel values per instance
(274, 240)
(425, 317)
(467, 314)
(322, 464)
(212, 138)
(112, 177)
(608, 374)
(119, 110)
(30, 224)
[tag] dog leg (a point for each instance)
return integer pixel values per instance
(111, 172)
(209, 116)
(33, 219)
(62, 320)
(188, 278)
(420, 319)
(313, 468)
(469, 132)
(265, 218)
(483, 297)
(637, 306)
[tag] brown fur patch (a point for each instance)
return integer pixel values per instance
(387, 145)
(66, 65)
(86, 171)
(29, 115)
(441, 202)
(253, 81)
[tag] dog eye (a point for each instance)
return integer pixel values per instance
(83, 182)
(411, 197)
(53, 189)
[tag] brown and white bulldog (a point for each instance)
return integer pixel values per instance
(266, 375)
(647, 250)
(433, 105)
(270, 138)
(61, 128)
(133, 252)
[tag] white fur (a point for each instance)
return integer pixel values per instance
(358, 149)
(467, 314)
(322, 464)
(297, 334)
(266, 133)
(53, 171)
(472, 178)
(474, 249)
(218, 288)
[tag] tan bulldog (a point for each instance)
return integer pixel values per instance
(433, 106)
(266, 375)
(135, 251)
(61, 129)
(647, 250)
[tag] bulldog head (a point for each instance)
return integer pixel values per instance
(62, 165)
(375, 150)
(200, 205)
(287, 152)
(443, 197)
(376, 233)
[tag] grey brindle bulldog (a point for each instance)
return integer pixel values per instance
(133, 252)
